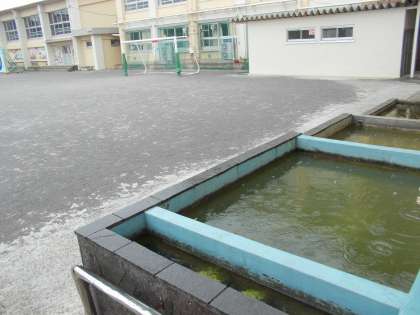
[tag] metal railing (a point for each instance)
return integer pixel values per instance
(85, 280)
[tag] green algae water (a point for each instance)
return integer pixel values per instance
(214, 272)
(406, 139)
(403, 111)
(359, 217)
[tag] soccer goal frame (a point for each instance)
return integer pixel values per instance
(155, 46)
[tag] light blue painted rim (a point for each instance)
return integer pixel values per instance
(327, 284)
(377, 153)
(321, 282)
(229, 176)
(129, 228)
(412, 307)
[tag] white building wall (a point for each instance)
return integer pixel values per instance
(20, 26)
(98, 52)
(240, 33)
(374, 52)
(46, 31)
(3, 40)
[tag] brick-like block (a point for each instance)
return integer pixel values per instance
(98, 225)
(191, 282)
(173, 190)
(137, 207)
(109, 240)
(143, 258)
(221, 168)
(381, 107)
(233, 302)
(123, 274)
(100, 261)
(262, 148)
(329, 123)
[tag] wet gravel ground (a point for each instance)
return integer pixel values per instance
(75, 146)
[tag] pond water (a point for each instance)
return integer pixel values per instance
(406, 139)
(403, 111)
(207, 269)
(359, 217)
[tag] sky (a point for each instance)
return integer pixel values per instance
(6, 4)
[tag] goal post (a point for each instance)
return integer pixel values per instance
(7, 64)
(160, 55)
(3, 61)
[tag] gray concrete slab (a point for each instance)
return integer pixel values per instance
(144, 258)
(77, 146)
(232, 302)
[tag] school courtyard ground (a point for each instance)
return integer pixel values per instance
(77, 146)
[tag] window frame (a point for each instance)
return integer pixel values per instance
(141, 32)
(184, 27)
(10, 29)
(171, 2)
(184, 43)
(215, 37)
(136, 5)
(59, 20)
(336, 38)
(301, 40)
(115, 42)
(35, 30)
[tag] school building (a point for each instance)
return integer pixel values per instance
(205, 25)
(62, 33)
(340, 38)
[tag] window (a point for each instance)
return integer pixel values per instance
(89, 44)
(33, 26)
(164, 2)
(16, 55)
(11, 30)
(37, 54)
(138, 35)
(211, 33)
(136, 4)
(174, 31)
(337, 33)
(115, 43)
(59, 22)
(224, 28)
(297, 35)
(182, 43)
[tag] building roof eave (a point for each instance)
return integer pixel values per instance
(337, 9)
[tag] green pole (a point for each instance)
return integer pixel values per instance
(178, 68)
(124, 65)
(178, 63)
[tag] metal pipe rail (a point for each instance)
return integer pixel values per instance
(84, 280)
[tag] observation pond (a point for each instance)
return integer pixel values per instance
(356, 216)
(392, 137)
(213, 271)
(408, 111)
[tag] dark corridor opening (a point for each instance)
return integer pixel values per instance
(408, 42)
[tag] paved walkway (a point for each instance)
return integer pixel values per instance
(75, 146)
